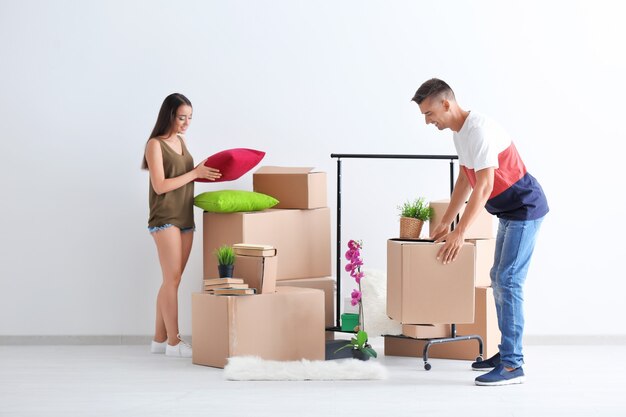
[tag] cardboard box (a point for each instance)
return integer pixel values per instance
(259, 272)
(485, 325)
(301, 238)
(482, 228)
(326, 284)
(426, 331)
(485, 251)
(420, 289)
(294, 188)
(267, 325)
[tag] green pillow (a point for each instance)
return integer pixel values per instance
(230, 201)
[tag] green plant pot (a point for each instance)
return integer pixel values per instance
(349, 321)
(225, 271)
(360, 355)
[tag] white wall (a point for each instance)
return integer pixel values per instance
(81, 84)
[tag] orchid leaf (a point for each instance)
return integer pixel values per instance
(348, 345)
(370, 351)
(361, 338)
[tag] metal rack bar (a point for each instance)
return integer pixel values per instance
(451, 158)
(341, 156)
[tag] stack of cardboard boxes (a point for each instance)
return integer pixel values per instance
(270, 324)
(427, 296)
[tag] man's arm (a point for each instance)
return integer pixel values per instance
(459, 195)
(454, 240)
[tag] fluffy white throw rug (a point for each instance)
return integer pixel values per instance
(253, 368)
(374, 286)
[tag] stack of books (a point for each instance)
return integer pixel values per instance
(227, 286)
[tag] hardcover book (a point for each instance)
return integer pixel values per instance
(216, 281)
(234, 291)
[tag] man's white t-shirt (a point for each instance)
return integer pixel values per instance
(480, 141)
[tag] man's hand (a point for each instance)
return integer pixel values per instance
(450, 249)
(440, 231)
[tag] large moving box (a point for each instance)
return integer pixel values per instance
(485, 325)
(294, 188)
(326, 284)
(482, 228)
(421, 289)
(301, 238)
(287, 325)
(485, 251)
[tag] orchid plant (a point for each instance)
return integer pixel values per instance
(353, 255)
(355, 262)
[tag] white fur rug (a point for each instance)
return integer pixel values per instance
(374, 287)
(253, 368)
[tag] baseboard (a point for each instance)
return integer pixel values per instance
(576, 339)
(79, 340)
(619, 339)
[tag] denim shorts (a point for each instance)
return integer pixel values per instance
(165, 226)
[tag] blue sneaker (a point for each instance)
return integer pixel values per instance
(487, 364)
(500, 376)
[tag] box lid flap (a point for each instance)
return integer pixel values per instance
(283, 170)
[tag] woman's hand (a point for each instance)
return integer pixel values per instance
(206, 173)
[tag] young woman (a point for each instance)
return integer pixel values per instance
(171, 223)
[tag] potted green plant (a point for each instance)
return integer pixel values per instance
(413, 214)
(225, 261)
(360, 348)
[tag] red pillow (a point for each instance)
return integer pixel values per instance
(233, 163)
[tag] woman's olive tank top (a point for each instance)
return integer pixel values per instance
(174, 207)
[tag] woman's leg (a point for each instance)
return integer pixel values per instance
(187, 241)
(169, 244)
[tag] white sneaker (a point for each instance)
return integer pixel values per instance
(181, 350)
(157, 347)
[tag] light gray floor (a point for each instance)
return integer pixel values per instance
(126, 380)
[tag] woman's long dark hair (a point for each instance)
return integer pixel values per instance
(166, 118)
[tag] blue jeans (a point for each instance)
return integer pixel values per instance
(165, 226)
(514, 248)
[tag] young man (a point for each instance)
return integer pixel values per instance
(494, 177)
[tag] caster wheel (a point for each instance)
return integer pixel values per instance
(479, 359)
(427, 366)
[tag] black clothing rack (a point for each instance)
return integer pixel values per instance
(337, 328)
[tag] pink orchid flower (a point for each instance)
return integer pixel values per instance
(353, 244)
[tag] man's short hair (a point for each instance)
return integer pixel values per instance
(433, 87)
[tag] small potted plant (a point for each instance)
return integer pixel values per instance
(360, 348)
(225, 261)
(413, 214)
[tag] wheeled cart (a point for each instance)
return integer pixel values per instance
(429, 342)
